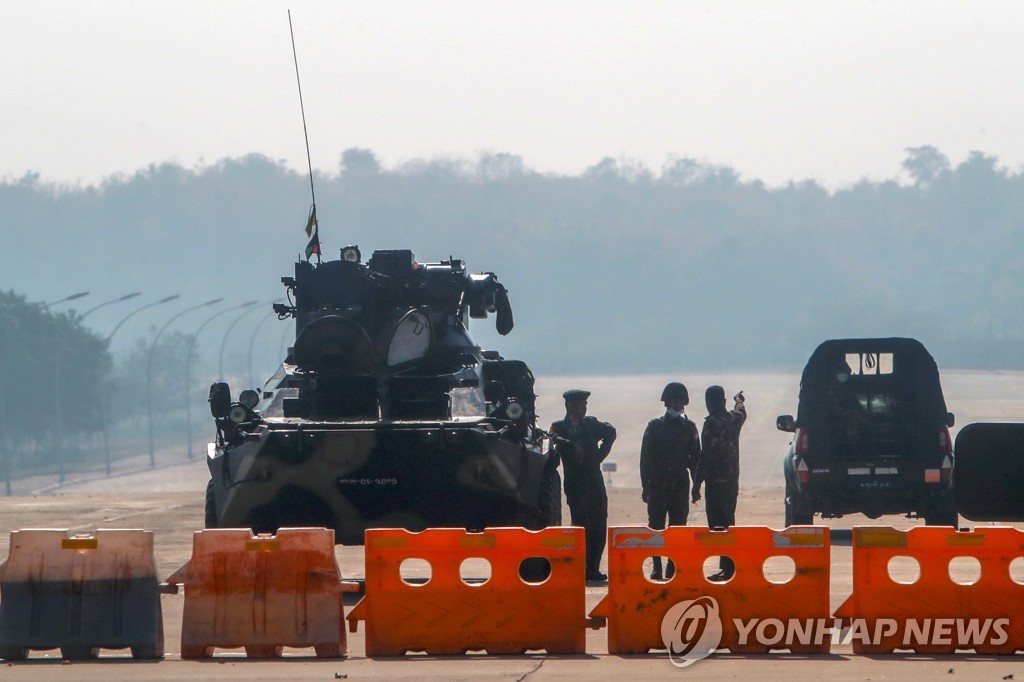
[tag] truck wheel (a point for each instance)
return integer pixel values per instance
(796, 510)
(210, 515)
(942, 512)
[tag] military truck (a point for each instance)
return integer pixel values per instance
(871, 435)
(385, 413)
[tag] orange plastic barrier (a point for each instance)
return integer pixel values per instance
(80, 593)
(934, 614)
(447, 615)
(262, 592)
(756, 615)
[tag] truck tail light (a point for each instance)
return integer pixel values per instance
(802, 471)
(944, 441)
(946, 470)
(802, 442)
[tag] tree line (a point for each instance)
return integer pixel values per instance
(619, 269)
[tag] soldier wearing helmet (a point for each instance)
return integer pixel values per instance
(669, 456)
(583, 443)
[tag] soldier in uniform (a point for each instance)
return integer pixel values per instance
(668, 458)
(582, 443)
(720, 464)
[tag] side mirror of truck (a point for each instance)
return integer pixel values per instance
(950, 419)
(786, 423)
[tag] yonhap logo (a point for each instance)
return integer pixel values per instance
(691, 630)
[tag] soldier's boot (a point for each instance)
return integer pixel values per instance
(656, 573)
(726, 570)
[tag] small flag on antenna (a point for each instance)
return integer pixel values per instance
(314, 245)
(311, 221)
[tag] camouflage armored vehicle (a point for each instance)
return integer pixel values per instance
(385, 414)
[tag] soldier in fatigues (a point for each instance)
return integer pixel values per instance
(720, 464)
(668, 458)
(583, 443)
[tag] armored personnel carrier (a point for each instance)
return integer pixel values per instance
(385, 414)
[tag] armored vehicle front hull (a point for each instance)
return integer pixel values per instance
(385, 412)
(352, 477)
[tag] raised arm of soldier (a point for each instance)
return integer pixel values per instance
(719, 458)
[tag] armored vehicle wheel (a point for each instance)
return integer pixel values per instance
(549, 500)
(210, 516)
(549, 503)
(797, 513)
(547, 514)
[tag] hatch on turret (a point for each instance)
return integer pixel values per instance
(411, 338)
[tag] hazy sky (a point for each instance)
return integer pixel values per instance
(832, 91)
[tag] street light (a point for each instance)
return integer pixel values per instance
(115, 300)
(149, 373)
(188, 367)
(224, 343)
(103, 404)
(58, 408)
(252, 339)
(103, 397)
(127, 317)
(72, 297)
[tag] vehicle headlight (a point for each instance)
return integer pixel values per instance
(515, 410)
(249, 398)
(239, 414)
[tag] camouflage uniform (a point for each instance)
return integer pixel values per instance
(582, 446)
(720, 464)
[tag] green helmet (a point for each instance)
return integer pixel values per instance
(675, 390)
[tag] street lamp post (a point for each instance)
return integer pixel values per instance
(103, 396)
(224, 342)
(103, 403)
(252, 340)
(72, 297)
(149, 372)
(5, 443)
(166, 299)
(58, 407)
(188, 367)
(106, 303)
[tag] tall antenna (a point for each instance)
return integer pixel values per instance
(312, 228)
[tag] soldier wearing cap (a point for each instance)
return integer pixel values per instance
(582, 443)
(719, 464)
(668, 459)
